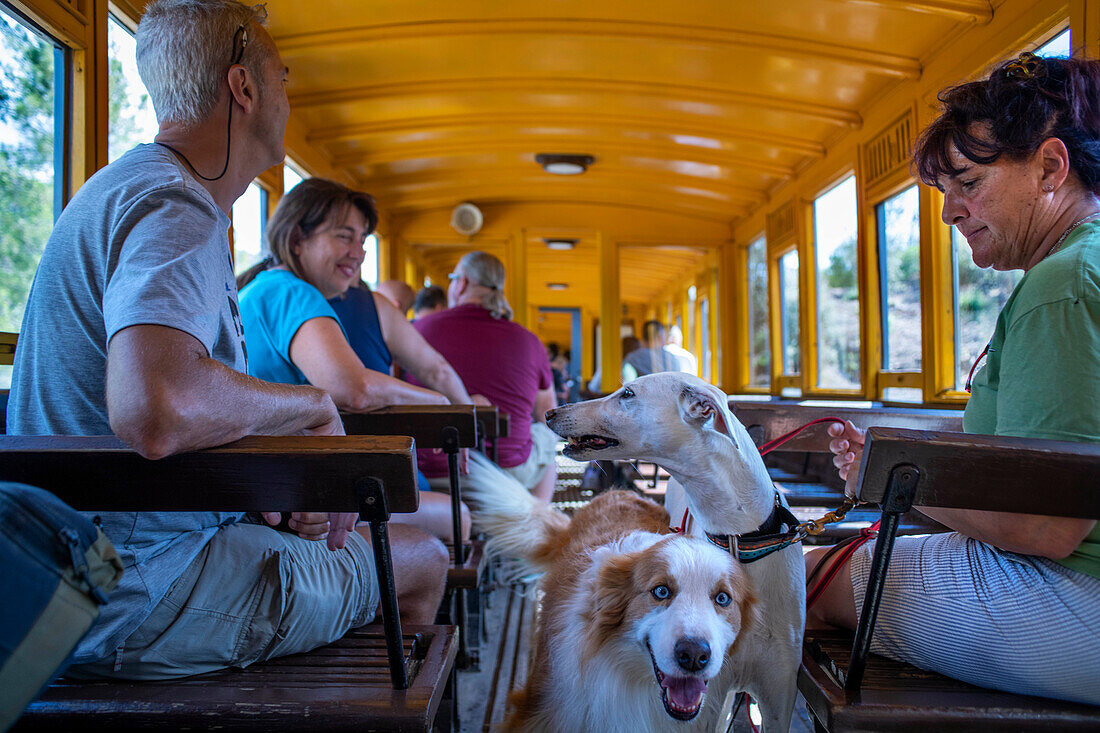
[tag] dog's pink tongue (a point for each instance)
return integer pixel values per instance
(684, 692)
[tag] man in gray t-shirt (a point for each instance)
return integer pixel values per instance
(651, 357)
(141, 243)
(132, 328)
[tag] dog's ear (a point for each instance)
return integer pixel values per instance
(613, 591)
(698, 404)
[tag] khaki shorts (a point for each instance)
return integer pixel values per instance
(253, 593)
(544, 447)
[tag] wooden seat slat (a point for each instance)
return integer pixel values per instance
(810, 494)
(898, 696)
(306, 692)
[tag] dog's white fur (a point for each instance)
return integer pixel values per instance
(602, 633)
(684, 425)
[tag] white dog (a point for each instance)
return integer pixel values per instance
(634, 622)
(684, 425)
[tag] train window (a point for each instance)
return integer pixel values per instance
(249, 223)
(837, 292)
(292, 174)
(759, 347)
(33, 126)
(899, 280)
(369, 272)
(978, 296)
(1057, 46)
(788, 312)
(692, 327)
(130, 116)
(704, 339)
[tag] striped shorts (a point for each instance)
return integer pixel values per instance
(964, 609)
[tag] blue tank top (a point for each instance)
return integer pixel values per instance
(359, 316)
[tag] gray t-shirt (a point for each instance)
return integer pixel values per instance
(140, 243)
(650, 361)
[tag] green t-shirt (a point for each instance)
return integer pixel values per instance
(1041, 378)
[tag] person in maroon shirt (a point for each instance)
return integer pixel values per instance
(501, 361)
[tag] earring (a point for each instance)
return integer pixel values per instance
(1049, 187)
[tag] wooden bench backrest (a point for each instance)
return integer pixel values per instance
(983, 472)
(767, 421)
(256, 473)
(488, 421)
(424, 423)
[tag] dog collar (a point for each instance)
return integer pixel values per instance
(778, 531)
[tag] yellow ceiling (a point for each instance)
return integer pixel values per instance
(698, 108)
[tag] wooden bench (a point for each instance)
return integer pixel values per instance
(848, 689)
(802, 469)
(370, 476)
(448, 428)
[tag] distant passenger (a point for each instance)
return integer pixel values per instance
(503, 362)
(305, 324)
(675, 346)
(430, 299)
(651, 357)
(133, 327)
(399, 293)
(629, 344)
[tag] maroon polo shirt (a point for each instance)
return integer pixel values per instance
(496, 358)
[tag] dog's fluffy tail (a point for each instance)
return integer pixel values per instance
(518, 524)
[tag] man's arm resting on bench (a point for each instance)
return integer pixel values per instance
(165, 395)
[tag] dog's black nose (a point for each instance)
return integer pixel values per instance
(691, 654)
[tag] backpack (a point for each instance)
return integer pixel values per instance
(56, 569)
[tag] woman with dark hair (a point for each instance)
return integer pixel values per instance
(1009, 601)
(295, 336)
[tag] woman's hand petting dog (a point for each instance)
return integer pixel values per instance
(847, 449)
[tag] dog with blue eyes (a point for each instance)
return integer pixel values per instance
(634, 622)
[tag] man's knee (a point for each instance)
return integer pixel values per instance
(417, 552)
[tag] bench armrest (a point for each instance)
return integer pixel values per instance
(488, 421)
(424, 423)
(255, 473)
(963, 471)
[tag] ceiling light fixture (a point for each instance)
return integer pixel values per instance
(558, 286)
(564, 164)
(559, 243)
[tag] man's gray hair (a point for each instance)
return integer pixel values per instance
(185, 47)
(482, 268)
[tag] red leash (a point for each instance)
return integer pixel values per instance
(773, 444)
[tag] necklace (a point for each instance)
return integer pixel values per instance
(1068, 231)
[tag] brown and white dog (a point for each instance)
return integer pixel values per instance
(634, 622)
(684, 425)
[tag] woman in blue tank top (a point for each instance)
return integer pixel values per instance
(304, 323)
